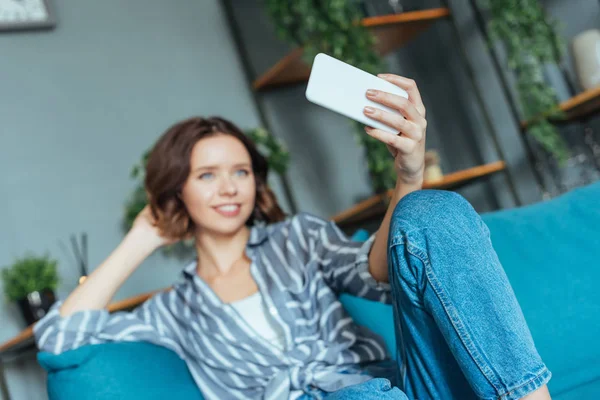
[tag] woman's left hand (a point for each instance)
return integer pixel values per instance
(408, 146)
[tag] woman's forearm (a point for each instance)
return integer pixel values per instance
(378, 266)
(101, 285)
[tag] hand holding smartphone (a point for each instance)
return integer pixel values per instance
(341, 88)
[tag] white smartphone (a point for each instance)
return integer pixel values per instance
(342, 88)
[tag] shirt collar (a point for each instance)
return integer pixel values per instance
(258, 234)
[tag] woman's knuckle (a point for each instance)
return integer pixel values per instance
(399, 123)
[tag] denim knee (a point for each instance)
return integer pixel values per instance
(442, 209)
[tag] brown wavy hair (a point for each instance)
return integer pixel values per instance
(168, 168)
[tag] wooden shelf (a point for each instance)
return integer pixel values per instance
(392, 31)
(580, 106)
(377, 204)
(17, 340)
(27, 334)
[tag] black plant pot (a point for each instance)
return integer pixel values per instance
(36, 305)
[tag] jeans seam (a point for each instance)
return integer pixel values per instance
(453, 317)
(544, 371)
(402, 347)
(400, 240)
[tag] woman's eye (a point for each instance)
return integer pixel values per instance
(242, 172)
(206, 175)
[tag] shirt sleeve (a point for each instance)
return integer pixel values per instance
(344, 262)
(151, 322)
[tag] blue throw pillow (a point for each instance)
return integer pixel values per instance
(124, 371)
(378, 317)
(360, 235)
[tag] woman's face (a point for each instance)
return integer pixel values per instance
(220, 191)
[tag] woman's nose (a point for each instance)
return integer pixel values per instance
(228, 187)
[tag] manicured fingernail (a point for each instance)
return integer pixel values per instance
(369, 110)
(372, 92)
(383, 75)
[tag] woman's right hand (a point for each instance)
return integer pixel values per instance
(101, 285)
(145, 225)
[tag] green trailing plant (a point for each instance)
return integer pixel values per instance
(531, 40)
(334, 27)
(274, 150)
(277, 154)
(137, 200)
(29, 274)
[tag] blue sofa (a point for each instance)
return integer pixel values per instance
(551, 254)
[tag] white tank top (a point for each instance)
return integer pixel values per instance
(254, 311)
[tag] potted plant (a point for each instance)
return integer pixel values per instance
(31, 282)
(532, 40)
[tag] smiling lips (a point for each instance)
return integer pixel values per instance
(228, 210)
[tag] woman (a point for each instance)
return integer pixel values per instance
(257, 314)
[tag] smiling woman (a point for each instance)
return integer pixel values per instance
(195, 160)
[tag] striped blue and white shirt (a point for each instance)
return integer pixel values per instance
(300, 265)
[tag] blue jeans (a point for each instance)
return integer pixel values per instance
(459, 329)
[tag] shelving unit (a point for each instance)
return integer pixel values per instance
(392, 31)
(377, 205)
(580, 106)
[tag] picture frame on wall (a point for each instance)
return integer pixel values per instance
(24, 15)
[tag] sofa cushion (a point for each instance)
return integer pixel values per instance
(124, 371)
(551, 254)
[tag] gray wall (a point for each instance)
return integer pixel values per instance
(78, 106)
